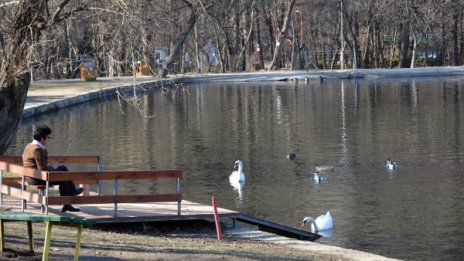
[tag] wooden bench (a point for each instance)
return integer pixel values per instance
(116, 197)
(17, 160)
(50, 221)
(89, 177)
(17, 180)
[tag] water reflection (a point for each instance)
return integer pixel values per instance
(238, 187)
(355, 124)
(326, 233)
(318, 178)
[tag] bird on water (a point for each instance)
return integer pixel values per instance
(237, 175)
(321, 223)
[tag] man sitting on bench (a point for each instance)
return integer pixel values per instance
(35, 156)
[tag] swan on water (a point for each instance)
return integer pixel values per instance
(316, 178)
(237, 175)
(321, 223)
(325, 168)
(391, 165)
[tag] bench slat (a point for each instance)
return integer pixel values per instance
(11, 181)
(111, 175)
(22, 194)
(18, 160)
(107, 199)
(19, 170)
(74, 159)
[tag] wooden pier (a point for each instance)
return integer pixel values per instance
(112, 207)
(131, 212)
(115, 207)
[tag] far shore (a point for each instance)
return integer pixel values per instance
(45, 96)
(324, 74)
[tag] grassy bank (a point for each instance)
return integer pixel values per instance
(156, 241)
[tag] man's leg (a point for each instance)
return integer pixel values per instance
(67, 188)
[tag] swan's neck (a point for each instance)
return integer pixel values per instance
(314, 227)
(239, 169)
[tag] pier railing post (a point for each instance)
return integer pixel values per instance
(1, 181)
(115, 193)
(216, 219)
(98, 181)
(42, 206)
(23, 201)
(179, 190)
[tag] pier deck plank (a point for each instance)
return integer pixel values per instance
(134, 212)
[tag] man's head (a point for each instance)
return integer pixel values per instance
(41, 132)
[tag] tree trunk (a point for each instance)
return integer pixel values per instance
(271, 37)
(413, 55)
(147, 50)
(179, 43)
(15, 74)
(281, 36)
(13, 94)
(260, 50)
(404, 45)
(378, 48)
(198, 54)
(292, 63)
(240, 55)
(454, 32)
(220, 52)
(365, 60)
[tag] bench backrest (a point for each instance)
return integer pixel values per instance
(18, 160)
(12, 164)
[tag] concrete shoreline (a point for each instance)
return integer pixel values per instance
(48, 96)
(319, 249)
(51, 95)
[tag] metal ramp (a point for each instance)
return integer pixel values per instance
(278, 229)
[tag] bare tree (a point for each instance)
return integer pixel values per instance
(182, 37)
(27, 22)
(288, 9)
(44, 39)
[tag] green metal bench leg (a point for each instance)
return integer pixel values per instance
(31, 238)
(78, 242)
(2, 237)
(48, 235)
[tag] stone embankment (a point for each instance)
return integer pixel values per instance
(51, 95)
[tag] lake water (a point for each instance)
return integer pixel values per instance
(415, 212)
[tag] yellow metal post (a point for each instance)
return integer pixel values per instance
(48, 235)
(31, 238)
(2, 236)
(78, 242)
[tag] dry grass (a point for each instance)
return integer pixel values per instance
(156, 241)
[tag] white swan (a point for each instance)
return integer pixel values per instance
(237, 175)
(321, 223)
(391, 165)
(324, 168)
(316, 177)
